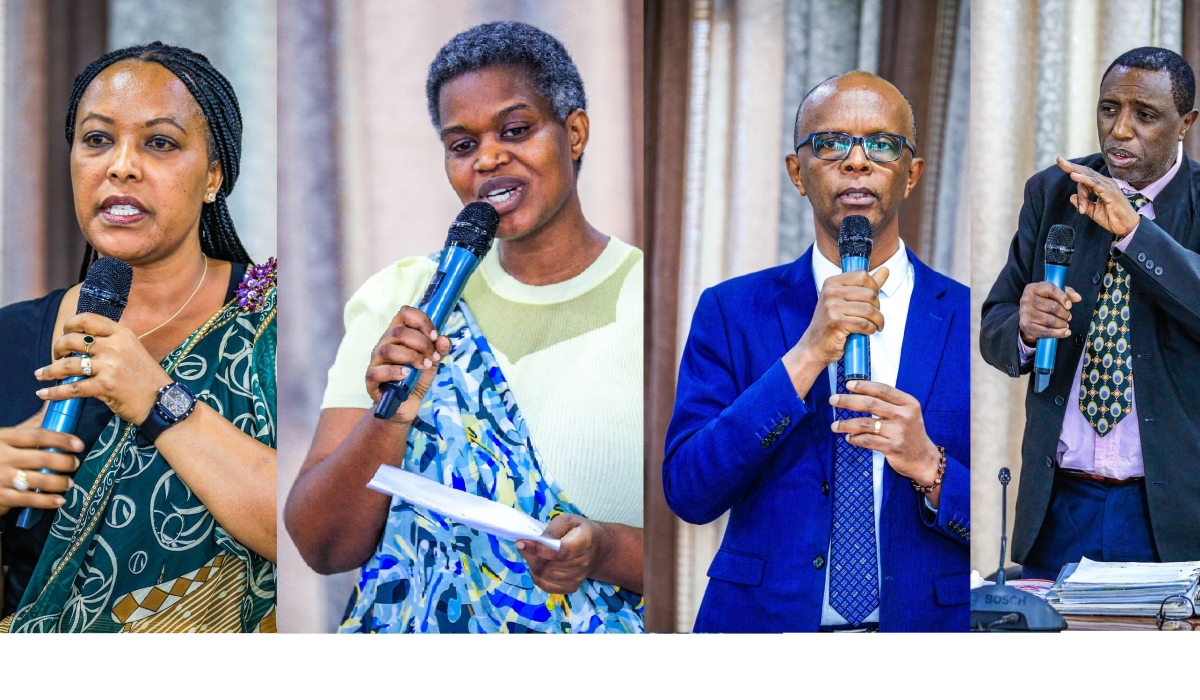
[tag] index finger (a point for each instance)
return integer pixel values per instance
(858, 278)
(38, 439)
(92, 324)
(416, 319)
(883, 392)
(1074, 295)
(1049, 291)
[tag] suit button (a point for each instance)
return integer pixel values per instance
(787, 420)
(1096, 278)
(765, 443)
(1049, 462)
(1158, 270)
(1149, 264)
(1141, 257)
(1059, 400)
(825, 488)
(818, 562)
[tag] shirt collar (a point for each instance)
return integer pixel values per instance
(1151, 191)
(898, 267)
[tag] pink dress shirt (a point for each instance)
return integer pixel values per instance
(1119, 453)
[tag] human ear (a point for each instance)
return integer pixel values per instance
(792, 162)
(578, 129)
(915, 168)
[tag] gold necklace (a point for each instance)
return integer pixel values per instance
(189, 300)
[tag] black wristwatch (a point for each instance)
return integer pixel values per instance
(174, 404)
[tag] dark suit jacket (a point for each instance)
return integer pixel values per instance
(742, 441)
(1164, 267)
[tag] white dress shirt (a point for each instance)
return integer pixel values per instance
(886, 345)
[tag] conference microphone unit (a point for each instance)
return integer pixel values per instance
(105, 291)
(1060, 247)
(1002, 608)
(471, 236)
(854, 245)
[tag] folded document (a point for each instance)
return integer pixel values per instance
(482, 514)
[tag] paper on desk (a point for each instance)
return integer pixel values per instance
(463, 508)
(1133, 573)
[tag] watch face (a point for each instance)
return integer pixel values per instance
(175, 401)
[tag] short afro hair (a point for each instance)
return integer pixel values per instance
(1154, 58)
(796, 136)
(550, 67)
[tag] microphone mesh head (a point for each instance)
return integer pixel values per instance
(475, 228)
(854, 237)
(105, 290)
(1060, 245)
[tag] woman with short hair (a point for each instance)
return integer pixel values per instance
(531, 394)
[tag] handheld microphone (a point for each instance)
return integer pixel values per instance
(1002, 608)
(105, 291)
(471, 236)
(1060, 246)
(854, 245)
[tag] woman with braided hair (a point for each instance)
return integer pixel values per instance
(159, 513)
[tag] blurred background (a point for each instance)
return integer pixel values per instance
(361, 183)
(723, 81)
(44, 44)
(1035, 80)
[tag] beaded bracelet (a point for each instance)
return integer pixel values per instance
(936, 482)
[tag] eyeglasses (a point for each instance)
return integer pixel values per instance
(1173, 609)
(879, 148)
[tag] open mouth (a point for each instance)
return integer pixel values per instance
(122, 211)
(857, 197)
(1120, 158)
(503, 193)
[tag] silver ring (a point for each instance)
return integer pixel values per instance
(878, 425)
(85, 365)
(20, 481)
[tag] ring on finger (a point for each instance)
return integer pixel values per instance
(878, 425)
(85, 366)
(20, 480)
(87, 344)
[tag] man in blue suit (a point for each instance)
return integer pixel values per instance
(849, 502)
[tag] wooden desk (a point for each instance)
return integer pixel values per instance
(1112, 623)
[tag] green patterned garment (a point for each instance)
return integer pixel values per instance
(133, 549)
(429, 574)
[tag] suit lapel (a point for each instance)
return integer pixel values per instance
(925, 335)
(795, 302)
(1173, 206)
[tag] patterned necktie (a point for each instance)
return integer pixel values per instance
(854, 576)
(1108, 370)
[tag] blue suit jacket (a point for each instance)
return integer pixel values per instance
(742, 441)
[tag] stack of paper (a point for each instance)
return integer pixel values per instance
(1124, 588)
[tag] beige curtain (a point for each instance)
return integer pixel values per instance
(1018, 127)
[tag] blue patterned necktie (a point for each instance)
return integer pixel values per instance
(854, 576)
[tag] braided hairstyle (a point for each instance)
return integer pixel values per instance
(218, 103)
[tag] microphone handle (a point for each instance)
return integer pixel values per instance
(61, 417)
(444, 289)
(1043, 362)
(857, 362)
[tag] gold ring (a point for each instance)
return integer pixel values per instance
(87, 344)
(20, 480)
(878, 425)
(85, 366)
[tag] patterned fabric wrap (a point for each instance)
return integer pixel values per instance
(133, 549)
(431, 575)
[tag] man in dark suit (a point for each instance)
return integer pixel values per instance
(1110, 464)
(848, 501)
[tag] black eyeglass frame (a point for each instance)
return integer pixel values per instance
(855, 141)
(1163, 616)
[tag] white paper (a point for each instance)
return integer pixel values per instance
(1097, 573)
(463, 508)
